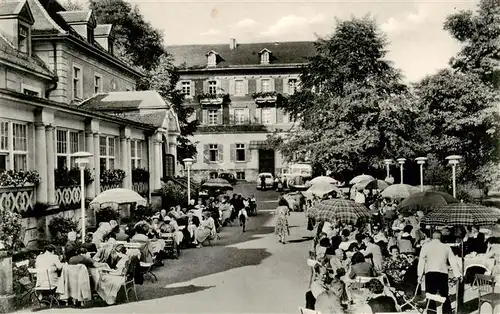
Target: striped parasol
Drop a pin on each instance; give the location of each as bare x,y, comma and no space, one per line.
462,214
339,210
425,201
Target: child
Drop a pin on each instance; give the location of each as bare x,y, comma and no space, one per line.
243,217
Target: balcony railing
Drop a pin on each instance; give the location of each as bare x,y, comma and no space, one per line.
228,128
105,187
141,187
68,195
17,199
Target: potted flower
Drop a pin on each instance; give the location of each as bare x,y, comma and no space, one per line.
19,178
112,176
212,99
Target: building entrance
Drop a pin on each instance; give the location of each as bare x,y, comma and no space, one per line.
266,161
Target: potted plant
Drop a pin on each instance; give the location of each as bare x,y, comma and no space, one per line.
112,176
19,178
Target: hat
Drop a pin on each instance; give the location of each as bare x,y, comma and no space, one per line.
156,216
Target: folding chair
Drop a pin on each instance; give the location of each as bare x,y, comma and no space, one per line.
170,245
147,268
439,302
486,288
129,282
27,282
49,290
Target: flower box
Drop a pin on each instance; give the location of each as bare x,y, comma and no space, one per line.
212,99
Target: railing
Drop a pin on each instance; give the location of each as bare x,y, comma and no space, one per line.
68,195
105,187
17,199
141,187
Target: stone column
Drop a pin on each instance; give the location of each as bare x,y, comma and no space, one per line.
123,160
41,162
51,165
172,149
128,161
97,164
89,147
157,166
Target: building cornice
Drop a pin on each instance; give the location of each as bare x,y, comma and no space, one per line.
90,48
54,105
235,68
25,69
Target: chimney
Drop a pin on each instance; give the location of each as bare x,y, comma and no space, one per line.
232,43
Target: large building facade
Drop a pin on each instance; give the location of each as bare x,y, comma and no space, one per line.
62,91
238,91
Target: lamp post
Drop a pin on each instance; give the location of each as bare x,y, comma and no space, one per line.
82,159
188,162
401,162
388,163
421,162
453,161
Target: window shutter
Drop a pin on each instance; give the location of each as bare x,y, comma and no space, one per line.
205,87
273,115
221,153
204,117
245,87
271,85
231,116
219,116
225,86
258,83
232,147
258,115
206,153
285,86
192,88
232,88
279,115
178,85
247,116
248,153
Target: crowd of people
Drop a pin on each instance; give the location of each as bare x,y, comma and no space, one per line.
395,250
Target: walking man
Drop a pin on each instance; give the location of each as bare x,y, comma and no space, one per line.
433,262
243,217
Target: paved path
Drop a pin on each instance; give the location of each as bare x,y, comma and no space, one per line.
244,273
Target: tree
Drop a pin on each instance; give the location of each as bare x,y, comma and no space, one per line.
479,33
354,109
135,39
70,5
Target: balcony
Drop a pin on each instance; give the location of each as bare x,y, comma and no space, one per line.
268,99
237,128
17,199
213,99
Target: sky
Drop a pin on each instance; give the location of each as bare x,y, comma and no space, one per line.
418,44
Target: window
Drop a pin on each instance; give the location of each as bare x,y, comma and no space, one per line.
107,153
212,59
213,116
77,83
24,39
240,152
13,146
240,175
239,116
266,85
213,153
266,116
238,88
292,86
67,143
97,84
212,87
30,92
264,57
136,154
186,88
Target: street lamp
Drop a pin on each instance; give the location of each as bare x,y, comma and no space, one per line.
81,159
187,163
388,163
453,161
421,162
401,162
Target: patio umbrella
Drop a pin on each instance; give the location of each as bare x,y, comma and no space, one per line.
372,185
425,201
462,214
321,179
399,191
338,210
217,183
361,178
320,189
119,196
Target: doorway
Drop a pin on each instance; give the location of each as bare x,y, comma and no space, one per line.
266,161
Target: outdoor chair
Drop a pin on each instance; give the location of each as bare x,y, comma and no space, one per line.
171,248
439,303
147,268
486,288
48,291
27,282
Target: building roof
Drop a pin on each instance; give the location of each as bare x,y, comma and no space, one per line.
10,54
282,53
76,16
155,118
125,101
102,30
11,8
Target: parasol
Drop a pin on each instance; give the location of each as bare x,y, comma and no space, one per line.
399,191
372,185
119,196
462,214
217,183
338,210
361,178
322,179
321,189
426,201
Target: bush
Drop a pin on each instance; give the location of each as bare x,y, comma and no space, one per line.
141,213
11,233
173,194
59,227
18,178
106,214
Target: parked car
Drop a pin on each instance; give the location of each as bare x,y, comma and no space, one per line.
269,181
229,177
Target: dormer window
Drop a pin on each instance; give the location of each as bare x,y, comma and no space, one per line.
212,59
265,56
24,39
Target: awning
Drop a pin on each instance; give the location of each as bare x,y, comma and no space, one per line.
259,145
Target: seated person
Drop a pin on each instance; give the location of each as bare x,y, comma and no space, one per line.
88,245
475,241
111,278
141,232
360,267
405,241
122,235
103,254
206,230
396,266
378,301
71,247
48,261
82,258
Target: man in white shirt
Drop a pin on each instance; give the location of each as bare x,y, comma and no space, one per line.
243,216
374,252
47,262
433,262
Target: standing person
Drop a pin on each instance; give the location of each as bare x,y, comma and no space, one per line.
433,262
263,183
281,229
243,216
